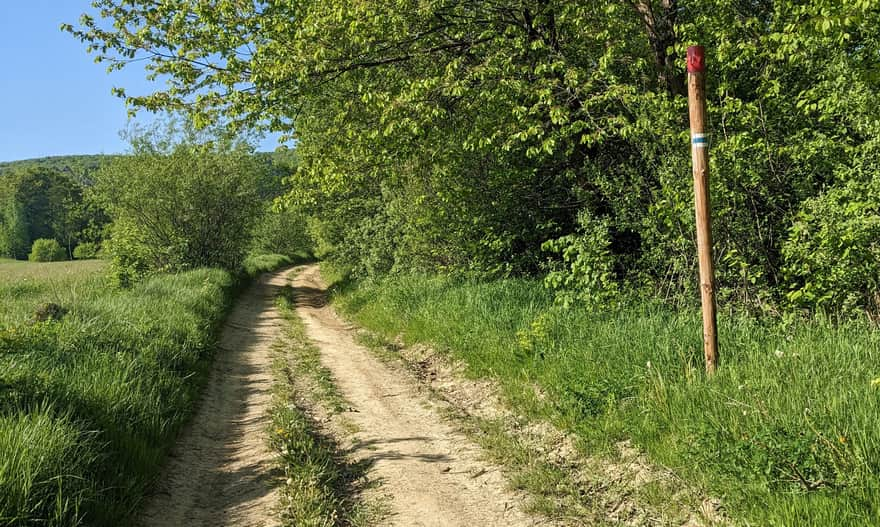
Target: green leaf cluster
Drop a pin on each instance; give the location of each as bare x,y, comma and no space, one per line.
41,202
464,136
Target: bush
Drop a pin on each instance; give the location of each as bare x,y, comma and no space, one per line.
180,208
281,232
585,274
86,251
47,250
832,256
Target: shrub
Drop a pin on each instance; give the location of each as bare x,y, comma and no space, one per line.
586,273
281,232
86,251
832,255
181,208
47,250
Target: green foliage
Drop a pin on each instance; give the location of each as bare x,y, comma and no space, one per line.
86,251
14,241
38,202
281,231
832,254
47,250
179,207
585,275
80,168
90,404
461,136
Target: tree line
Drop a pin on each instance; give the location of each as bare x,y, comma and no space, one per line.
547,136
38,202
176,201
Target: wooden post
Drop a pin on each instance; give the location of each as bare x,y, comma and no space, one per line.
696,67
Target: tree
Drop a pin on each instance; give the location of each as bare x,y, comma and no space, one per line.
179,208
13,229
281,232
464,136
38,202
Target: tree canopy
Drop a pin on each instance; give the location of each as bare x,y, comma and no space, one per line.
40,202
467,136
176,205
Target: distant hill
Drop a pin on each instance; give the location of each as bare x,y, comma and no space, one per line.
80,166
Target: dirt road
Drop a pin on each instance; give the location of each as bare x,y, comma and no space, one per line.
221,470
431,473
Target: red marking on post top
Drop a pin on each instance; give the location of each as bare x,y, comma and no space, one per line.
696,60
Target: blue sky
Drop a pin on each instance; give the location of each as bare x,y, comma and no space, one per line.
54,100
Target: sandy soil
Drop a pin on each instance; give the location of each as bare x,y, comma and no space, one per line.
430,473
221,472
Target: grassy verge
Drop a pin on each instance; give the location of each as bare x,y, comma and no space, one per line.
321,487
91,403
559,484
785,434
551,485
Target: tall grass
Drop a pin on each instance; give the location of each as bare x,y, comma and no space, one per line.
787,432
90,404
24,285
43,467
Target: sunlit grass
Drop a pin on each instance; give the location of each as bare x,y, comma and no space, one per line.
786,433
26,285
43,467
99,396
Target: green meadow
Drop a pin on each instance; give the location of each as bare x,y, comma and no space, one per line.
91,402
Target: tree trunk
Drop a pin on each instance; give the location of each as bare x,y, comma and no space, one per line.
659,23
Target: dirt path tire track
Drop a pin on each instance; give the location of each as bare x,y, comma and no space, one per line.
220,472
432,474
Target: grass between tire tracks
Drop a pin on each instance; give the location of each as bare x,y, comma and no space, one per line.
321,487
785,434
